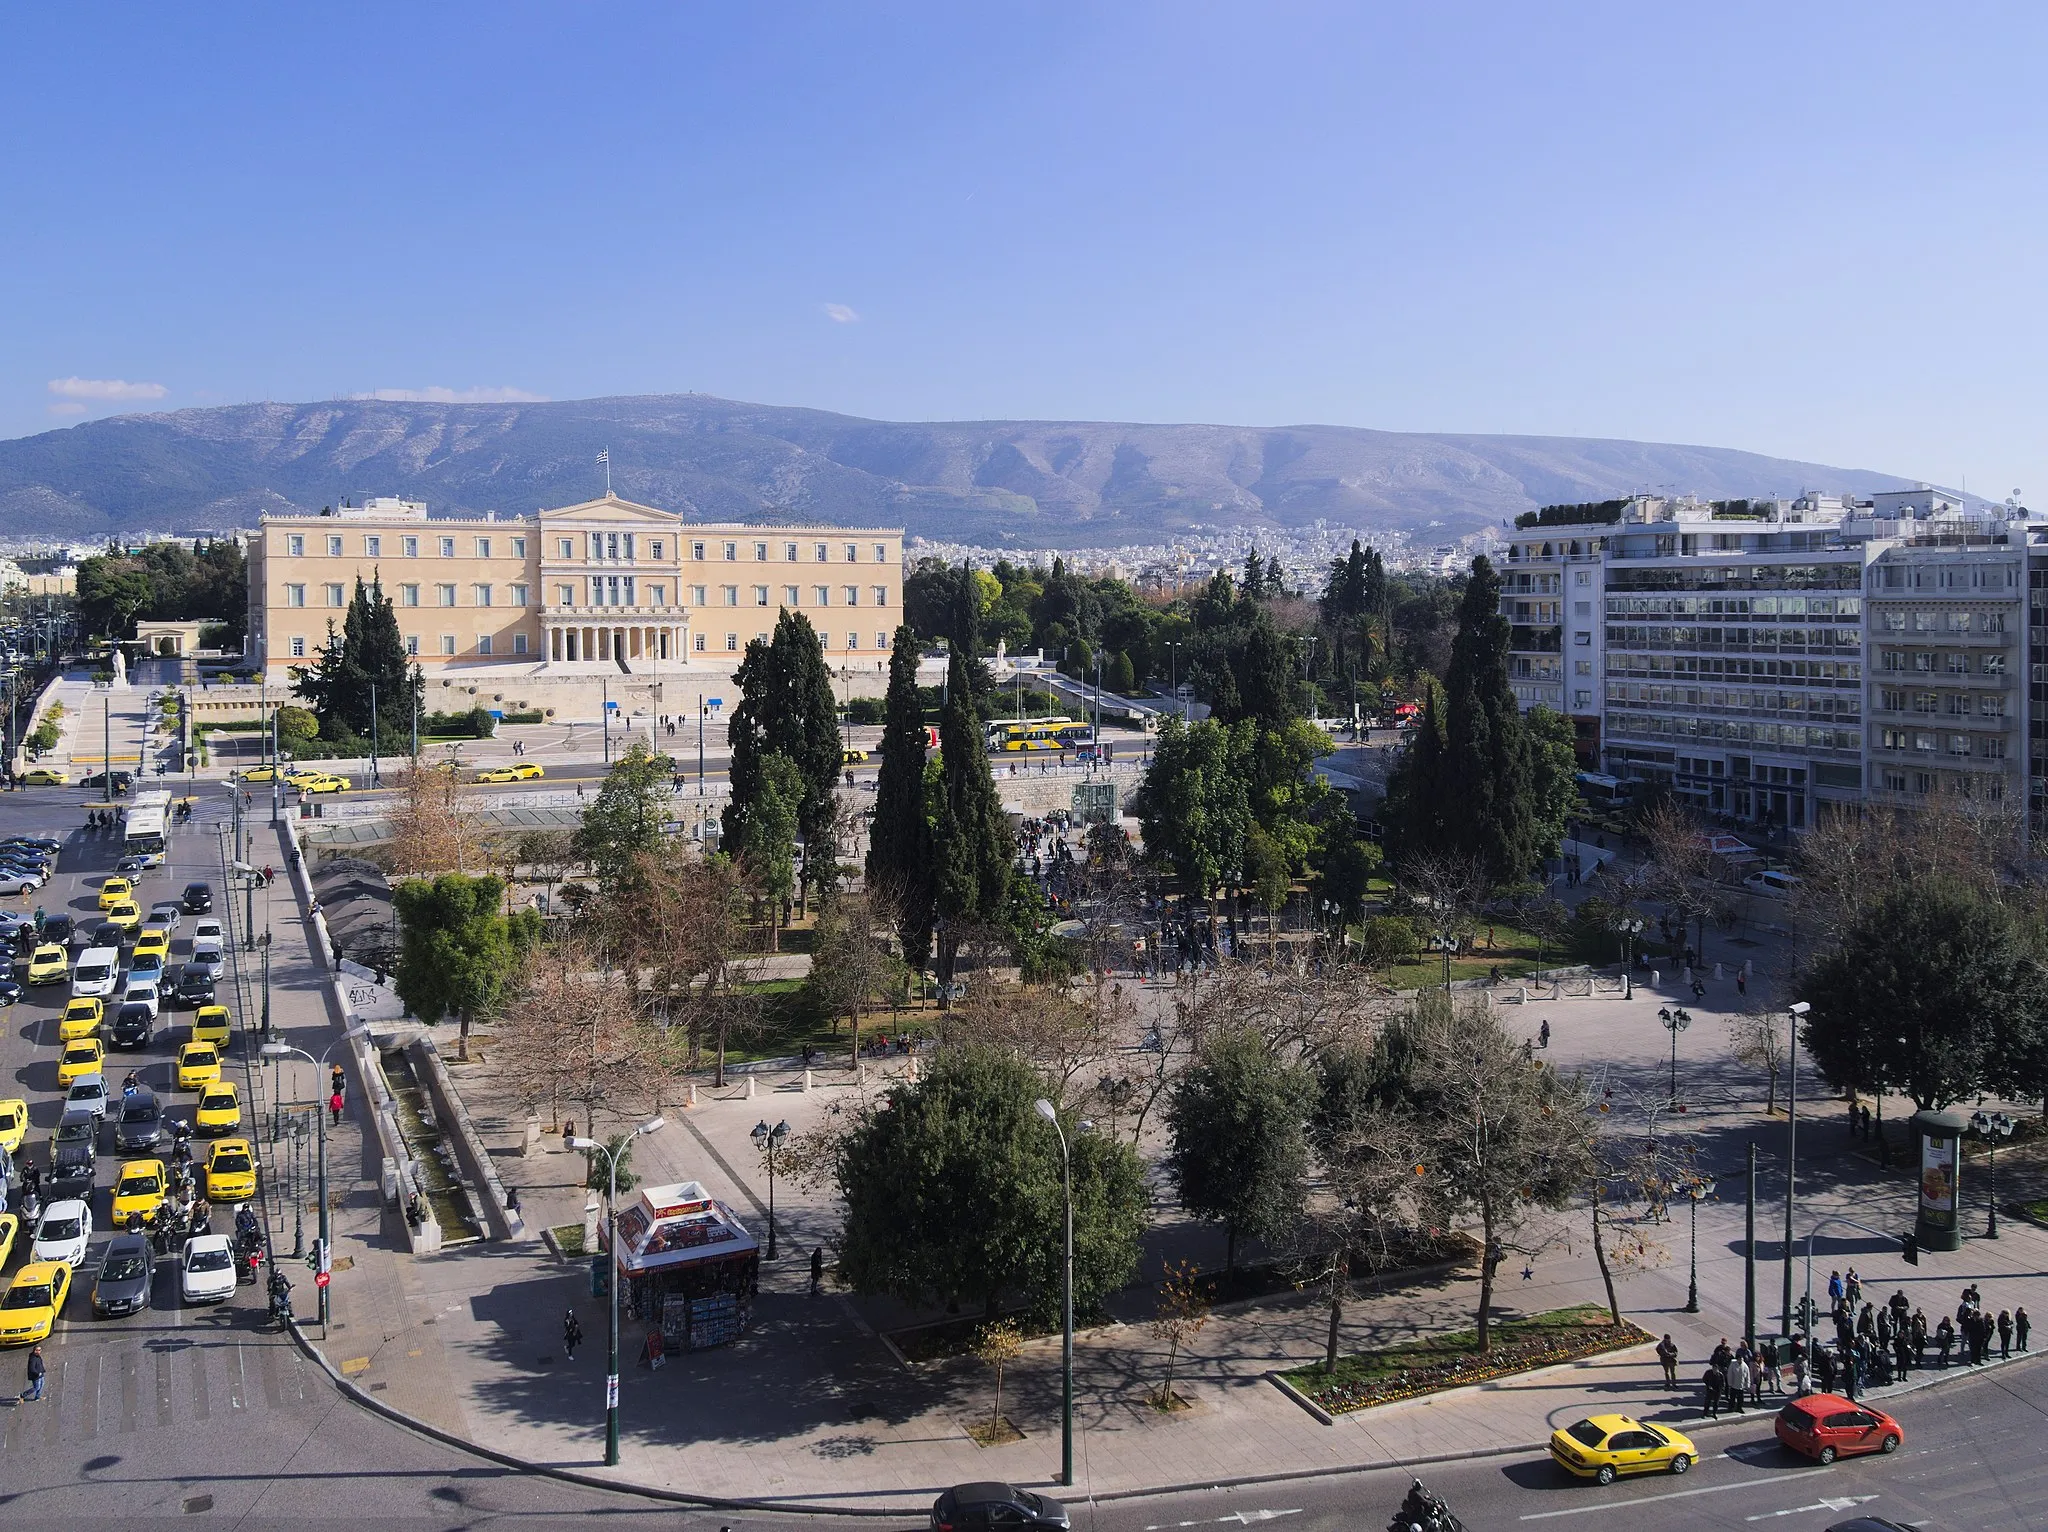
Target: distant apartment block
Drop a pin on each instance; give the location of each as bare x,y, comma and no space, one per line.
1766,658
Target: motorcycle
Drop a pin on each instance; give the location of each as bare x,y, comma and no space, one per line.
1422,1511
280,1298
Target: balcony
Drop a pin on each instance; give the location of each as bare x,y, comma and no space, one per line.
600,615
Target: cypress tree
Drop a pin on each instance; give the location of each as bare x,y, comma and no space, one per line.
900,847
786,707
971,844
369,651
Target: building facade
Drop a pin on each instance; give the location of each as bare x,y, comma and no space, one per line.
1766,658
604,586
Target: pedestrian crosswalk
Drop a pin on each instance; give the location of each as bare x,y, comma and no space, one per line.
170,1379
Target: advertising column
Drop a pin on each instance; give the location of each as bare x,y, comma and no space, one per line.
1939,1224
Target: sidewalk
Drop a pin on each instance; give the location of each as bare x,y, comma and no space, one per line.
813,1407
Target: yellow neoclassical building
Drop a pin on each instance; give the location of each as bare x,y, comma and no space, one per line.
582,590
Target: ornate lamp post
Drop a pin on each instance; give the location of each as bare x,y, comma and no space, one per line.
768,1140
1675,1019
611,1281
1991,1127
1697,1186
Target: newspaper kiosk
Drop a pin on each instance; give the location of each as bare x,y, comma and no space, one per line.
688,1264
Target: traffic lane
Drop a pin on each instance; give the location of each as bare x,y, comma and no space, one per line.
1971,1460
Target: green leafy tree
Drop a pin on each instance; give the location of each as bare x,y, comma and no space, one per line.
900,844
1194,807
1553,776
458,951
626,817
111,594
366,659
971,846
1122,676
766,848
952,1193
1934,992
1344,864
786,708
1238,1121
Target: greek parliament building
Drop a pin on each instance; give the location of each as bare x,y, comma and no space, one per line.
578,592
1765,658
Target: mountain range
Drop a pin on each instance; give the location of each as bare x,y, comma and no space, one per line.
1029,484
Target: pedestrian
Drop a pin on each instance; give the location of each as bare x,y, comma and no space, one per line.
1852,1286
334,1106
1773,1359
1945,1340
1742,984
817,1270
1713,1380
1919,1329
1902,1356
572,1333
36,1370
1835,1289
1824,1368
1667,1355
1737,1381
337,1082
1543,1034
2004,1335
2020,1325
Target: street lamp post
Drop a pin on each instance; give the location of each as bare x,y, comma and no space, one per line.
1795,1013
1630,927
1676,1020
277,1050
1696,1187
768,1140
611,1280
1046,1110
1991,1127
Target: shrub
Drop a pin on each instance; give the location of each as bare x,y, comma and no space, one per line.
297,723
864,710
531,716
1386,941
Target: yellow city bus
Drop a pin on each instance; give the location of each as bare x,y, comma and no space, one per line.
1037,734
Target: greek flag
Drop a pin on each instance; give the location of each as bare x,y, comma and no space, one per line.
604,457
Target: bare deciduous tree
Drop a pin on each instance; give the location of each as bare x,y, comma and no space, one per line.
1181,1315
1683,871
433,822
1757,1039
1447,890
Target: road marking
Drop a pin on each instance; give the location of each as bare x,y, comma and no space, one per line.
354,1365
1242,1518
1844,1503
1617,1505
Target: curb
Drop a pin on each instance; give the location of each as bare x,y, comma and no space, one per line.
917,1513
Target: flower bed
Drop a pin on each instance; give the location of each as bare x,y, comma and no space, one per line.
1438,1362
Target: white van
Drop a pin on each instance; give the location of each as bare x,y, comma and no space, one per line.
98,973
1773,884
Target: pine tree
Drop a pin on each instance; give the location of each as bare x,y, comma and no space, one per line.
366,658
971,845
1254,576
900,845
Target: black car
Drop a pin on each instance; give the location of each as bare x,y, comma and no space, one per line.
140,1124
991,1507
43,843
197,898
122,781
193,988
132,1026
58,929
73,1168
125,1276
109,934
10,991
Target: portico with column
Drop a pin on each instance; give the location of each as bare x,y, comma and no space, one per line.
651,637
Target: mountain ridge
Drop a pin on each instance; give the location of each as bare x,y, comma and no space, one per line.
995,482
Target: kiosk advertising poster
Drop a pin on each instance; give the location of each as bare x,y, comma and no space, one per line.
1938,1182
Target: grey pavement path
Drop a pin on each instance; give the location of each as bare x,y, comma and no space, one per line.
812,1406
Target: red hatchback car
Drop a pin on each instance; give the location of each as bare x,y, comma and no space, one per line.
1827,1426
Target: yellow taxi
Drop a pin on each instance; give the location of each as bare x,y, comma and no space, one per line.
125,913
1604,1447
154,939
43,776
230,1171
853,757
140,1190
522,771
219,1109
49,964
79,1059
10,1230
114,891
210,1026
82,1018
13,1124
198,1066
323,783
260,774
34,1300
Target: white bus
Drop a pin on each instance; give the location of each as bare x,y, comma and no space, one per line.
146,823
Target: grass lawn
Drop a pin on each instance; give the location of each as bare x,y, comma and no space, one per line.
787,1025
1512,951
1453,1360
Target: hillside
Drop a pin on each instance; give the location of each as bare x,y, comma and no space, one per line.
1034,483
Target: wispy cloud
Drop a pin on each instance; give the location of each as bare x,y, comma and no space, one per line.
454,396
839,313
68,407
105,390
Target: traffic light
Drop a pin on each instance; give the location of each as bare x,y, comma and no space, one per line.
1910,1248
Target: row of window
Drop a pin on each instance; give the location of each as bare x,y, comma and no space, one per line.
1735,606
1923,783
1743,698
1736,668
1929,662
1740,577
484,642
1795,639
1944,577
408,547
1942,620
331,594
1987,747
1955,704
599,547
605,591
1785,736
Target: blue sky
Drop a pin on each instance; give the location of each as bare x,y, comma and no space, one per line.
1811,230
